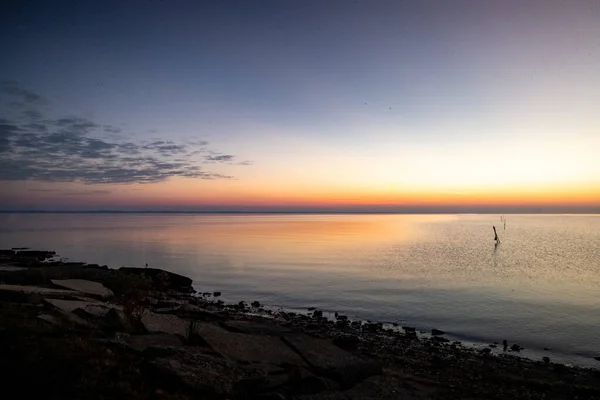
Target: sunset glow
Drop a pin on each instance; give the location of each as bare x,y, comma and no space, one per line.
361,107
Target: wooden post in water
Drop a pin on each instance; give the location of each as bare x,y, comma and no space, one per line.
496,238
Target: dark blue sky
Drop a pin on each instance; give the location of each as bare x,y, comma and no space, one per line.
338,99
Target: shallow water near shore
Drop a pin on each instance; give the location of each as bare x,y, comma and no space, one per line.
540,287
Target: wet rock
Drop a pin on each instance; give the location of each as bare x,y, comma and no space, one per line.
164,323
516,347
546,360
409,329
255,304
246,347
216,294
597,358
84,286
485,351
311,308
38,255
202,375
342,317
437,332
328,360
318,314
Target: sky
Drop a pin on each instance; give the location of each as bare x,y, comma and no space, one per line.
407,105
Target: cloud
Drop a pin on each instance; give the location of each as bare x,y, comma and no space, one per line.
219,158
20,94
75,149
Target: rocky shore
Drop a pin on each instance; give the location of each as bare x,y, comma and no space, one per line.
84,331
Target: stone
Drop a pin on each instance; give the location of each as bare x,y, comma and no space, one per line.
70,305
24,293
162,277
409,329
51,319
255,304
546,360
140,343
84,286
205,376
216,294
346,342
330,361
436,332
246,347
256,328
164,323
317,314
11,268
597,358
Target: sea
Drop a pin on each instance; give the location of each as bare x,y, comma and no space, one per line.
538,287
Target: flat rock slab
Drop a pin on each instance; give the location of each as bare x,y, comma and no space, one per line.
51,319
23,292
203,375
11,268
330,361
84,286
68,305
248,348
164,323
256,328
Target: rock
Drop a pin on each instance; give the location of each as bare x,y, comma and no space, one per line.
318,314
246,347
84,286
409,329
505,344
546,360
330,361
140,343
437,332
164,323
71,305
311,308
255,304
195,312
485,351
115,318
516,347
346,342
23,293
597,358
38,255
10,268
216,294
342,317
51,319
255,328
162,277
204,376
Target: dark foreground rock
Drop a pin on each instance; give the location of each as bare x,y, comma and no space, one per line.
151,342
168,280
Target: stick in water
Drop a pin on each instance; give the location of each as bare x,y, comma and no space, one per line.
496,238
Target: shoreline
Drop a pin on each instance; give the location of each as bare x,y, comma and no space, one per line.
158,307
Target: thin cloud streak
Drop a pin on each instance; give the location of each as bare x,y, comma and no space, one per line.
75,149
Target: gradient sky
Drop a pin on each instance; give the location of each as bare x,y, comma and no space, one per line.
300,105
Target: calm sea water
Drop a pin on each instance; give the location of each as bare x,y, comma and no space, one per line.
540,287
